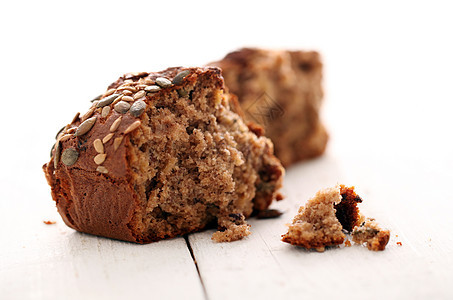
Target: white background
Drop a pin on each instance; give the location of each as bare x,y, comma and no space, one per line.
388,106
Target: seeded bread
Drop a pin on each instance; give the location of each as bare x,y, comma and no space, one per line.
281,91
160,155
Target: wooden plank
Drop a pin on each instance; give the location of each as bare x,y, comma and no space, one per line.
263,267
55,262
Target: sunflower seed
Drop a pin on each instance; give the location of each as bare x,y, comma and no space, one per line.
122,107
59,131
149,81
96,98
76,117
89,113
65,137
163,82
118,99
141,86
126,93
98,146
56,158
105,111
152,89
116,124
127,87
132,127
100,158
127,98
117,142
69,156
137,108
109,92
107,138
102,169
180,77
107,100
139,94
71,130
85,126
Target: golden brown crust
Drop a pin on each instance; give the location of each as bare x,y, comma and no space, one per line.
281,91
120,170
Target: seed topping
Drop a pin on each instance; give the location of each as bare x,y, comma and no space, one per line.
107,138
137,108
96,98
56,158
69,156
85,126
152,89
139,94
107,100
132,127
100,158
122,107
89,113
180,77
116,124
76,117
163,82
128,99
105,111
117,142
102,169
109,92
98,146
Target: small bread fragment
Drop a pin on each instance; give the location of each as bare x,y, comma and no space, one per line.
316,225
328,216
372,234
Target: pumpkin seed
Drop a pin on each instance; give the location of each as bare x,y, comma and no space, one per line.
85,126
122,107
180,77
69,156
107,100
96,98
137,108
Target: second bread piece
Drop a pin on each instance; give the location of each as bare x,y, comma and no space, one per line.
281,91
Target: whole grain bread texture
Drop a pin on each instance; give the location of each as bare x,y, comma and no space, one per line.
160,155
282,92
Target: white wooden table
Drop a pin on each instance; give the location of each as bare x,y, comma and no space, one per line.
389,105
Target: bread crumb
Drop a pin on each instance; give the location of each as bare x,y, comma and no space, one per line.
47,222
